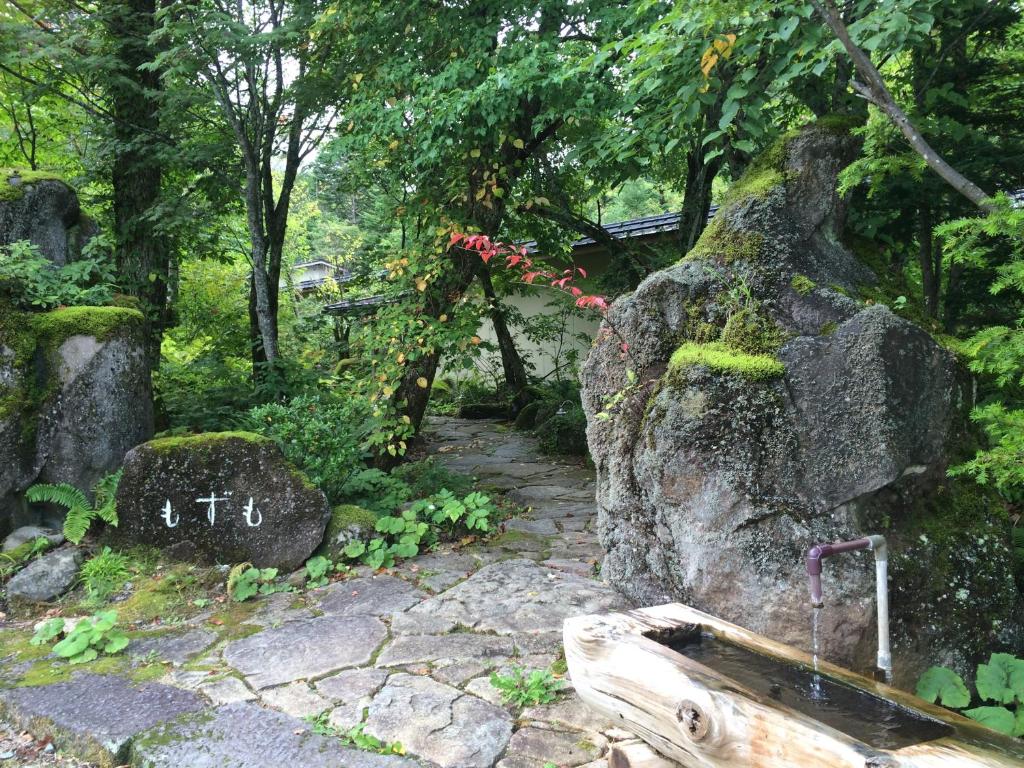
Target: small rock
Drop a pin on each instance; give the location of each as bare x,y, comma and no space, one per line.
31,533
295,699
47,578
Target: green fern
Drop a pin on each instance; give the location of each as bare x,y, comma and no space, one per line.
80,513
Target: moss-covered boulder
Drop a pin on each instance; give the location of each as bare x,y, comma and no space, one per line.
762,409
75,395
41,208
220,497
348,523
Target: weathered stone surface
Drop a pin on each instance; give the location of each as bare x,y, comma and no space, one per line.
295,699
27,533
518,596
244,735
712,485
372,596
307,648
74,400
45,578
559,747
439,723
176,648
568,711
226,497
442,650
46,213
542,527
352,686
95,716
225,690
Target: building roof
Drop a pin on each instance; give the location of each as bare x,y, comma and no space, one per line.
645,226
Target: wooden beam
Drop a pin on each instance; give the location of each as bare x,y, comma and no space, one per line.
703,719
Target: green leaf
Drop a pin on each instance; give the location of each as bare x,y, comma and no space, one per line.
994,679
87,655
945,686
997,718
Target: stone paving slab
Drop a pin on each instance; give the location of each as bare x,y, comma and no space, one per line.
372,596
519,596
176,648
247,736
95,716
305,649
439,723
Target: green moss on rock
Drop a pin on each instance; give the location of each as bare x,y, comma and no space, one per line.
720,242
348,522
802,284
204,440
719,357
10,192
746,331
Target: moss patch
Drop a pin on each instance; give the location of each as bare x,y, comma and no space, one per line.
9,192
802,284
747,331
345,517
719,357
720,242
204,440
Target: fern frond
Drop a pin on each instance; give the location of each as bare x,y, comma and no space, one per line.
106,489
62,493
77,523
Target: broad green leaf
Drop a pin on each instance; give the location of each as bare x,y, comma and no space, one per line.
945,686
997,718
994,678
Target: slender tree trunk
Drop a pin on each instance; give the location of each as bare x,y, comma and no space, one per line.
141,252
929,277
511,362
262,314
875,90
697,196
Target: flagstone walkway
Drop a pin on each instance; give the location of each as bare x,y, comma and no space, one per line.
407,654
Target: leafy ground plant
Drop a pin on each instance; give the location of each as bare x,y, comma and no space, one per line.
245,581
319,570
86,640
353,737
1000,682
527,688
104,574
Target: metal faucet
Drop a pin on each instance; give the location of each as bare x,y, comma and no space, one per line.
876,544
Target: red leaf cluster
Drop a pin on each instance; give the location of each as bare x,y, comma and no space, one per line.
517,258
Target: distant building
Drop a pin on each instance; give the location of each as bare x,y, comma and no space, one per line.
308,276
577,329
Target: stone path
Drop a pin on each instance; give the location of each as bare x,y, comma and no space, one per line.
407,655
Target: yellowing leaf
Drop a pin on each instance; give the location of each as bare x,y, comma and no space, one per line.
476,340
421,285
393,144
357,77
518,143
443,318
388,391
422,382
474,153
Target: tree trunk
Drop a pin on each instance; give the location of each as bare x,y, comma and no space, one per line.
930,279
141,253
697,196
511,361
262,312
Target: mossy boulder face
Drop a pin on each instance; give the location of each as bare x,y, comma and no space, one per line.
75,396
220,497
41,208
348,523
760,409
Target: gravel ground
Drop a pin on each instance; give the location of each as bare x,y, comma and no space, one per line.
19,748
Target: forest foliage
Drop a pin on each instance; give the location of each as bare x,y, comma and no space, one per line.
218,145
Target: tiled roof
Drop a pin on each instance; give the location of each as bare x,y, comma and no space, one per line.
645,226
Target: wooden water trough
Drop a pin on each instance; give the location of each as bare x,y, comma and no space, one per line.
709,694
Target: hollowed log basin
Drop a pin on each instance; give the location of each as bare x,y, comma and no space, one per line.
707,693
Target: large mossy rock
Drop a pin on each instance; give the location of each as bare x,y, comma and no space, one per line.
761,409
44,210
220,497
75,396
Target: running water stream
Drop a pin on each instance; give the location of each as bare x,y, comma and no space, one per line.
817,692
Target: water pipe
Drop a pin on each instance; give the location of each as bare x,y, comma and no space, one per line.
877,545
